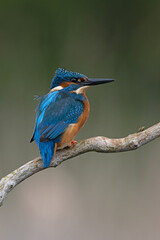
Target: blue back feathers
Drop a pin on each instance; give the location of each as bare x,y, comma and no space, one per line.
55,112
62,75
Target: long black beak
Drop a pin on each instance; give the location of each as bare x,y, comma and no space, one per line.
96,81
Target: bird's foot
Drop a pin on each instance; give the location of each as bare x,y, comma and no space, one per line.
72,143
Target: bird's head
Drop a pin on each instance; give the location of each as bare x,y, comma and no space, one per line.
64,78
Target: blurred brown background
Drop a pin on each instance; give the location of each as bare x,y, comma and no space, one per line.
93,196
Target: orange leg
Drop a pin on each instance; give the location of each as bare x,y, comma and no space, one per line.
72,143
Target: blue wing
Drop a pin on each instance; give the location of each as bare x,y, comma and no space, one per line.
58,115
56,111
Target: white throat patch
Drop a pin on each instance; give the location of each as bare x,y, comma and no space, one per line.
82,90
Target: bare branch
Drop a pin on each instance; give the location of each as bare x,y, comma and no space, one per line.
98,144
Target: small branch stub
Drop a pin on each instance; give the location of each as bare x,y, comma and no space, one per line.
97,144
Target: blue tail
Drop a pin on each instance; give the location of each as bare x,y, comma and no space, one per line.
47,151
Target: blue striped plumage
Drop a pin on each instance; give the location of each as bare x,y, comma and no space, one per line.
62,75
55,112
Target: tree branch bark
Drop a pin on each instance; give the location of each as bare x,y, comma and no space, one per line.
97,144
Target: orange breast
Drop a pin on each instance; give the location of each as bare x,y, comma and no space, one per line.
73,129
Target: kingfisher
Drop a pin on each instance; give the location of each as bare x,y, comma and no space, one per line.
62,112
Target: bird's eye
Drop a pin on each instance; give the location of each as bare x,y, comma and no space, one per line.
79,80
74,80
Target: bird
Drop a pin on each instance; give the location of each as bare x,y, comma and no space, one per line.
62,112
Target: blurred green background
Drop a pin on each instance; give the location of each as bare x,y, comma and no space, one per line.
93,196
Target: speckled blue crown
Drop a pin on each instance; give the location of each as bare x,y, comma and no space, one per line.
62,75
